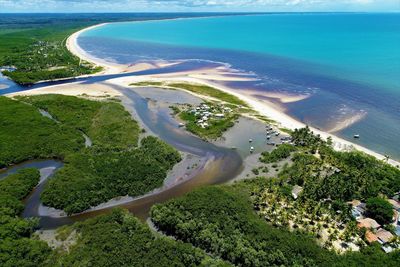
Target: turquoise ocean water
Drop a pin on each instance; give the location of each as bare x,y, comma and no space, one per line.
360,47
348,63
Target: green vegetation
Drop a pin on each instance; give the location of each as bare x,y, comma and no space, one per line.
112,167
262,118
209,91
40,54
149,83
230,229
94,177
25,134
16,247
276,204
327,179
380,209
215,127
198,89
107,123
338,175
282,152
119,239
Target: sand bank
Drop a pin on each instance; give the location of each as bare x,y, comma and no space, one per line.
209,77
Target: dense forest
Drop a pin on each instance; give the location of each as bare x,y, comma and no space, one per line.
96,177
40,54
17,248
221,220
337,175
116,239
119,239
25,134
113,166
107,123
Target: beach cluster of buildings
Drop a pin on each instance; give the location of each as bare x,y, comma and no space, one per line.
204,113
374,231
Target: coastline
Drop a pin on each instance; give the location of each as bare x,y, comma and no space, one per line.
262,107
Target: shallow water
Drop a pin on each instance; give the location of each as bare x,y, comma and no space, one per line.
347,65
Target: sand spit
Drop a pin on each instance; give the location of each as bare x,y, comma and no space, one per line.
206,77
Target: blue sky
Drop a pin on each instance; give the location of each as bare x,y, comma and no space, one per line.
197,5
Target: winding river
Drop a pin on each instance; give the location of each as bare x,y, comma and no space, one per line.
221,164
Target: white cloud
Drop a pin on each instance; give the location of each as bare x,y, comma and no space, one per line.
197,5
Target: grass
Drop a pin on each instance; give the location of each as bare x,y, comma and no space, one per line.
209,91
198,89
157,84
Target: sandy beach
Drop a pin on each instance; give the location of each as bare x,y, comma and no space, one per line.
206,77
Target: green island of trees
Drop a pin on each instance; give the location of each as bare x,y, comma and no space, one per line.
215,127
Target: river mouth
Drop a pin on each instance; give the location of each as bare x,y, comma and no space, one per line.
216,165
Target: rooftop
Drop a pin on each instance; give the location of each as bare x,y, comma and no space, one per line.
371,237
384,236
395,204
368,223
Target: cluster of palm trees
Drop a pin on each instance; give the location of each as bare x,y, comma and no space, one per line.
312,217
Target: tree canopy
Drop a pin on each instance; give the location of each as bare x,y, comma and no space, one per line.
379,209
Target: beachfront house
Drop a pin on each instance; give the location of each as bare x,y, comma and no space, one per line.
368,223
384,236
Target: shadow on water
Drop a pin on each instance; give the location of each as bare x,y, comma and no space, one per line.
221,165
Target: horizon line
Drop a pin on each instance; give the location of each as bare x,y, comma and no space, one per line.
204,12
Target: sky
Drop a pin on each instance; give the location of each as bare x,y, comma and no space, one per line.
88,6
